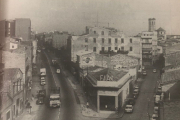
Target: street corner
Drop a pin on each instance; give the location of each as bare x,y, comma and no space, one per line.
89,112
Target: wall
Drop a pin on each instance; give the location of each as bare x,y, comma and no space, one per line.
60,40
23,28
14,60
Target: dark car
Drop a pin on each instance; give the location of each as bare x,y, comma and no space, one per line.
136,93
130,101
40,100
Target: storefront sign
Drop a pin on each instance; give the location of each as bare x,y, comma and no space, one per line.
106,78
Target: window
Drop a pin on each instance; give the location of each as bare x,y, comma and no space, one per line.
8,115
102,33
94,32
109,48
116,40
86,40
102,40
109,40
17,102
9,25
94,40
12,46
116,48
94,49
130,40
86,47
122,40
102,48
14,110
122,48
131,49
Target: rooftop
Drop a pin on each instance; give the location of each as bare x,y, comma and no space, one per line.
113,75
172,110
160,29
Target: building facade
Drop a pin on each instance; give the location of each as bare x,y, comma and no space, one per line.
12,94
102,40
19,55
108,88
23,28
149,47
59,40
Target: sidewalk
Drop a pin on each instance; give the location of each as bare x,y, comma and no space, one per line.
81,99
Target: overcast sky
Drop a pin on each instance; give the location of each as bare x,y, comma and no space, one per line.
130,16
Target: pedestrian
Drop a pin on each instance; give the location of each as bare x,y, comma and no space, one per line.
106,106
87,104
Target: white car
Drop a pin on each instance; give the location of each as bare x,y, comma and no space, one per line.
58,71
43,82
143,67
129,108
144,73
154,117
154,71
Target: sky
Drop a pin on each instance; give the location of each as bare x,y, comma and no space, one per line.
129,16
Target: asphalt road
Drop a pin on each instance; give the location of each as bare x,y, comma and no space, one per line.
70,109
145,101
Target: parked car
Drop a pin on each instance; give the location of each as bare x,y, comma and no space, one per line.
40,100
129,108
154,71
58,71
156,109
130,101
157,99
154,117
136,93
144,73
136,87
143,67
43,81
159,89
39,50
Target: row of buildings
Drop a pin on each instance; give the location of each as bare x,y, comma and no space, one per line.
106,61
18,53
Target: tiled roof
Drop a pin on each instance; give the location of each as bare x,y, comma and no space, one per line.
160,29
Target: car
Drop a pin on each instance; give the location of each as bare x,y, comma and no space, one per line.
43,81
130,101
156,109
39,50
136,93
159,89
154,116
129,109
143,67
157,99
154,71
136,87
58,71
40,100
144,73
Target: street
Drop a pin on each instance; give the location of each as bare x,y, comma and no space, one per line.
145,102
69,109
